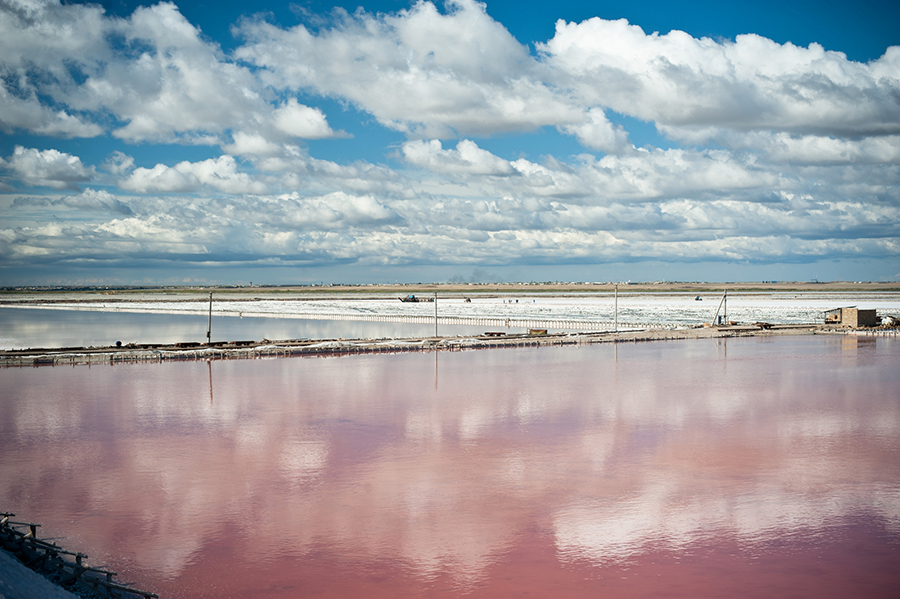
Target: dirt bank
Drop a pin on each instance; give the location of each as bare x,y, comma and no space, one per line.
13,296
336,347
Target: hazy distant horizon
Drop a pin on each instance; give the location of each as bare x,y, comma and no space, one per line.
488,283
411,276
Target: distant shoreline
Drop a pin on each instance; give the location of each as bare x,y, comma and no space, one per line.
585,330
461,289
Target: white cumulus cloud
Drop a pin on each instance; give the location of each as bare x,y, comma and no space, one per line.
467,158
693,87
782,153
298,120
418,71
48,168
66,67
598,133
220,174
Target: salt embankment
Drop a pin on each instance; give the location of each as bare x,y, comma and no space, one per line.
337,347
18,582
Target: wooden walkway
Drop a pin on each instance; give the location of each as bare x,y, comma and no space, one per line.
64,568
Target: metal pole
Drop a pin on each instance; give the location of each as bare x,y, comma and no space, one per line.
725,311
435,314
617,308
719,307
209,323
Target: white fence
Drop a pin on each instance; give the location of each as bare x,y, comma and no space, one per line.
580,325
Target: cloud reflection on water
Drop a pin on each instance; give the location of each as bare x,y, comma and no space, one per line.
612,454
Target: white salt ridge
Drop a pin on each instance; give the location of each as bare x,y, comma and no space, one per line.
633,309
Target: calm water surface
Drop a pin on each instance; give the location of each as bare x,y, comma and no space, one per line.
34,327
746,468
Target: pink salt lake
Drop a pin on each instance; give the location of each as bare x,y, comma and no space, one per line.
738,468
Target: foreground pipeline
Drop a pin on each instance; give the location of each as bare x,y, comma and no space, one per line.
332,347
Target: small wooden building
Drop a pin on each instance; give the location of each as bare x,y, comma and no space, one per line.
851,317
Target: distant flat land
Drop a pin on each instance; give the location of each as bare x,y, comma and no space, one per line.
456,289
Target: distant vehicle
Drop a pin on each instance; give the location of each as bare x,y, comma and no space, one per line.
414,300
698,299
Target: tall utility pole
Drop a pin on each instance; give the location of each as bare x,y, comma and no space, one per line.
209,323
616,309
435,314
725,301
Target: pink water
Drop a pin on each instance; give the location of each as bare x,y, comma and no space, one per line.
752,468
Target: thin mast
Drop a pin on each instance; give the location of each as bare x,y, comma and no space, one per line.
616,309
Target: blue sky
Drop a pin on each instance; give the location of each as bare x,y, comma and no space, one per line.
224,142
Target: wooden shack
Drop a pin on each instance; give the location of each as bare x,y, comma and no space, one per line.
851,317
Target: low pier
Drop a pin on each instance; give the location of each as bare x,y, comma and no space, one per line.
66,569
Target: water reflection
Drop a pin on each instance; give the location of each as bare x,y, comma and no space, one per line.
209,366
33,327
547,470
